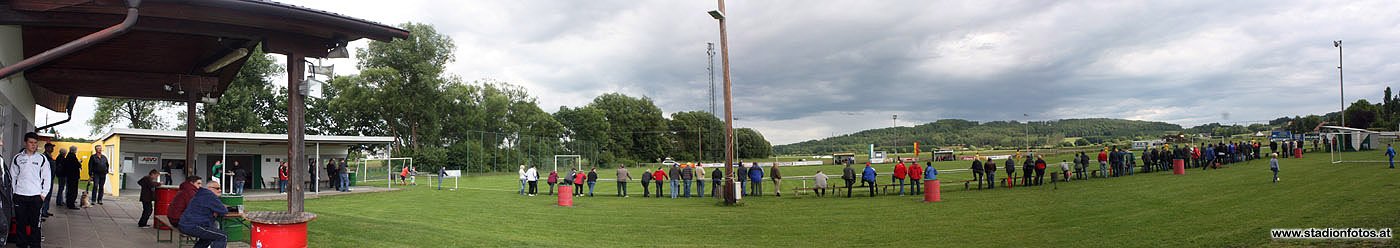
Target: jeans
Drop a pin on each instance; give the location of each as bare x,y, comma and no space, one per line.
47,199
62,185
1392,162
146,208
345,182
659,184
99,185
699,188
238,187
743,187
1103,170
522,186
991,180
675,187
1275,175
715,187
915,186
621,188
757,187
646,189
208,236
590,187
872,187
687,188
901,185
849,182
281,186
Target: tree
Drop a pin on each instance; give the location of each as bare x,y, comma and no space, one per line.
251,104
405,80
694,131
139,114
638,130
748,143
1361,114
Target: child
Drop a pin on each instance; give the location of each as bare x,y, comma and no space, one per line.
1273,165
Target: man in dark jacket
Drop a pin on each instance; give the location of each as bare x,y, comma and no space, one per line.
148,197
989,172
1010,171
97,170
977,171
675,176
646,183
1027,171
849,175
71,169
200,217
592,180
742,176
716,180
687,175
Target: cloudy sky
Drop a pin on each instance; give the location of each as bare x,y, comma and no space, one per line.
811,69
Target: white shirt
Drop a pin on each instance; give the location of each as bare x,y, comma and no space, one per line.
531,176
31,174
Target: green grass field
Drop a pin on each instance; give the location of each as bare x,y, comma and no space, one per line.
1231,207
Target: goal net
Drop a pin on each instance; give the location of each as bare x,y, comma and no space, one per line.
569,161
1357,146
386,169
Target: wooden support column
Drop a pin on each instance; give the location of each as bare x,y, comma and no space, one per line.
296,128
191,115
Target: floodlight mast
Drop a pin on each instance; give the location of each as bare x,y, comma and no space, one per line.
729,197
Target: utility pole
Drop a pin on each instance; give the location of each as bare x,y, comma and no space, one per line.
896,121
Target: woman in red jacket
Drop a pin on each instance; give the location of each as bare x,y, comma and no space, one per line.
899,173
578,183
916,176
1039,169
553,179
658,177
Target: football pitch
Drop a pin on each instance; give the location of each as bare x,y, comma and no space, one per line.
1234,206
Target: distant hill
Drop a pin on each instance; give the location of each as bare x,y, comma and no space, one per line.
1007,134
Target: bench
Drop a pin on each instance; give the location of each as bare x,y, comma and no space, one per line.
885,188
162,220
831,188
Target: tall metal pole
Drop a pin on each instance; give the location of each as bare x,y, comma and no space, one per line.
729,197
296,126
1341,86
711,68
190,116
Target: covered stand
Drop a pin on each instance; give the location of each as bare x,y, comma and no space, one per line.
181,51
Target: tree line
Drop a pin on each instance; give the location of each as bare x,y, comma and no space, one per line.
402,90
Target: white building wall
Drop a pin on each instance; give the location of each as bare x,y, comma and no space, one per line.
271,154
16,103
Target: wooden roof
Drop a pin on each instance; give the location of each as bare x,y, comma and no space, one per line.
171,43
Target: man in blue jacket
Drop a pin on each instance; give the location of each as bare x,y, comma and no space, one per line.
201,216
756,179
869,177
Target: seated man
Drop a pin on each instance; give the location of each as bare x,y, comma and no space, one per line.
200,218
191,185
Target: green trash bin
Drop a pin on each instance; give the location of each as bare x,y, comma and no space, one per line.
234,227
352,179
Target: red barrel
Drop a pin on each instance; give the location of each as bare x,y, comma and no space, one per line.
278,229
566,196
1179,167
274,235
1297,152
931,191
164,195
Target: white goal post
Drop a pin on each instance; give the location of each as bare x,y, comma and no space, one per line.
389,167
1357,146
578,161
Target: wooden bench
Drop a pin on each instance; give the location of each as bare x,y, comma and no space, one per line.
798,191
162,220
